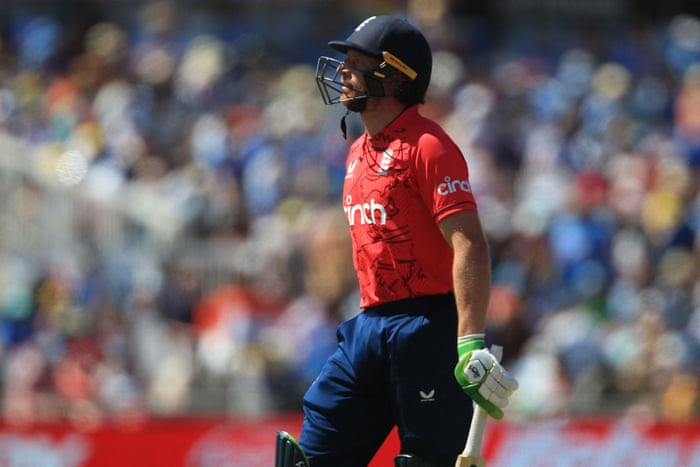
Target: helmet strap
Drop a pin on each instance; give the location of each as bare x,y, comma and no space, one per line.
344,125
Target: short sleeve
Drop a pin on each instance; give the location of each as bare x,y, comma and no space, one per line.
442,176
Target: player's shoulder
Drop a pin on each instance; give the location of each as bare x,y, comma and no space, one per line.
431,137
357,143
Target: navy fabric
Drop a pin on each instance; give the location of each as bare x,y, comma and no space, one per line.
391,367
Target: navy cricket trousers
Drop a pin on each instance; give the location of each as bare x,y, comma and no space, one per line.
394,365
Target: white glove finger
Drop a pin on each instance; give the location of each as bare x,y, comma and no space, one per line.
484,357
504,378
495,387
492,397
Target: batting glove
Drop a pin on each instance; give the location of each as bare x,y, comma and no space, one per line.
482,377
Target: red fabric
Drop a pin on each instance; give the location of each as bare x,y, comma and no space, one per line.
398,184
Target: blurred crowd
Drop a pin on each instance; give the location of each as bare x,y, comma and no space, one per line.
172,240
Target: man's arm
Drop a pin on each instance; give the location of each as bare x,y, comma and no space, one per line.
471,269
478,372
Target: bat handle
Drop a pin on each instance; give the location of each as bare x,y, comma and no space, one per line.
476,432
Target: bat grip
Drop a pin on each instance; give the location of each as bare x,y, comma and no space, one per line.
476,432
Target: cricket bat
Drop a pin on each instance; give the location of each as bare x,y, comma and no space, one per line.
471,456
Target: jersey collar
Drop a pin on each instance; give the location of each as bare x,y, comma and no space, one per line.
387,134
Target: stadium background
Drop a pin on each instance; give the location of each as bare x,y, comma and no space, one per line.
172,251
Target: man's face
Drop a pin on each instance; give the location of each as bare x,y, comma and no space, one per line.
351,72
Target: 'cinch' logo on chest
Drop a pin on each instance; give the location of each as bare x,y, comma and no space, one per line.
364,213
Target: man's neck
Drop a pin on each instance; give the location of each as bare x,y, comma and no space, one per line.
380,113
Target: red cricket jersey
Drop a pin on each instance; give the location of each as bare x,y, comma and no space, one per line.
398,185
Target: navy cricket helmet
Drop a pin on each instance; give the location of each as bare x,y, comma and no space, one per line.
396,43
